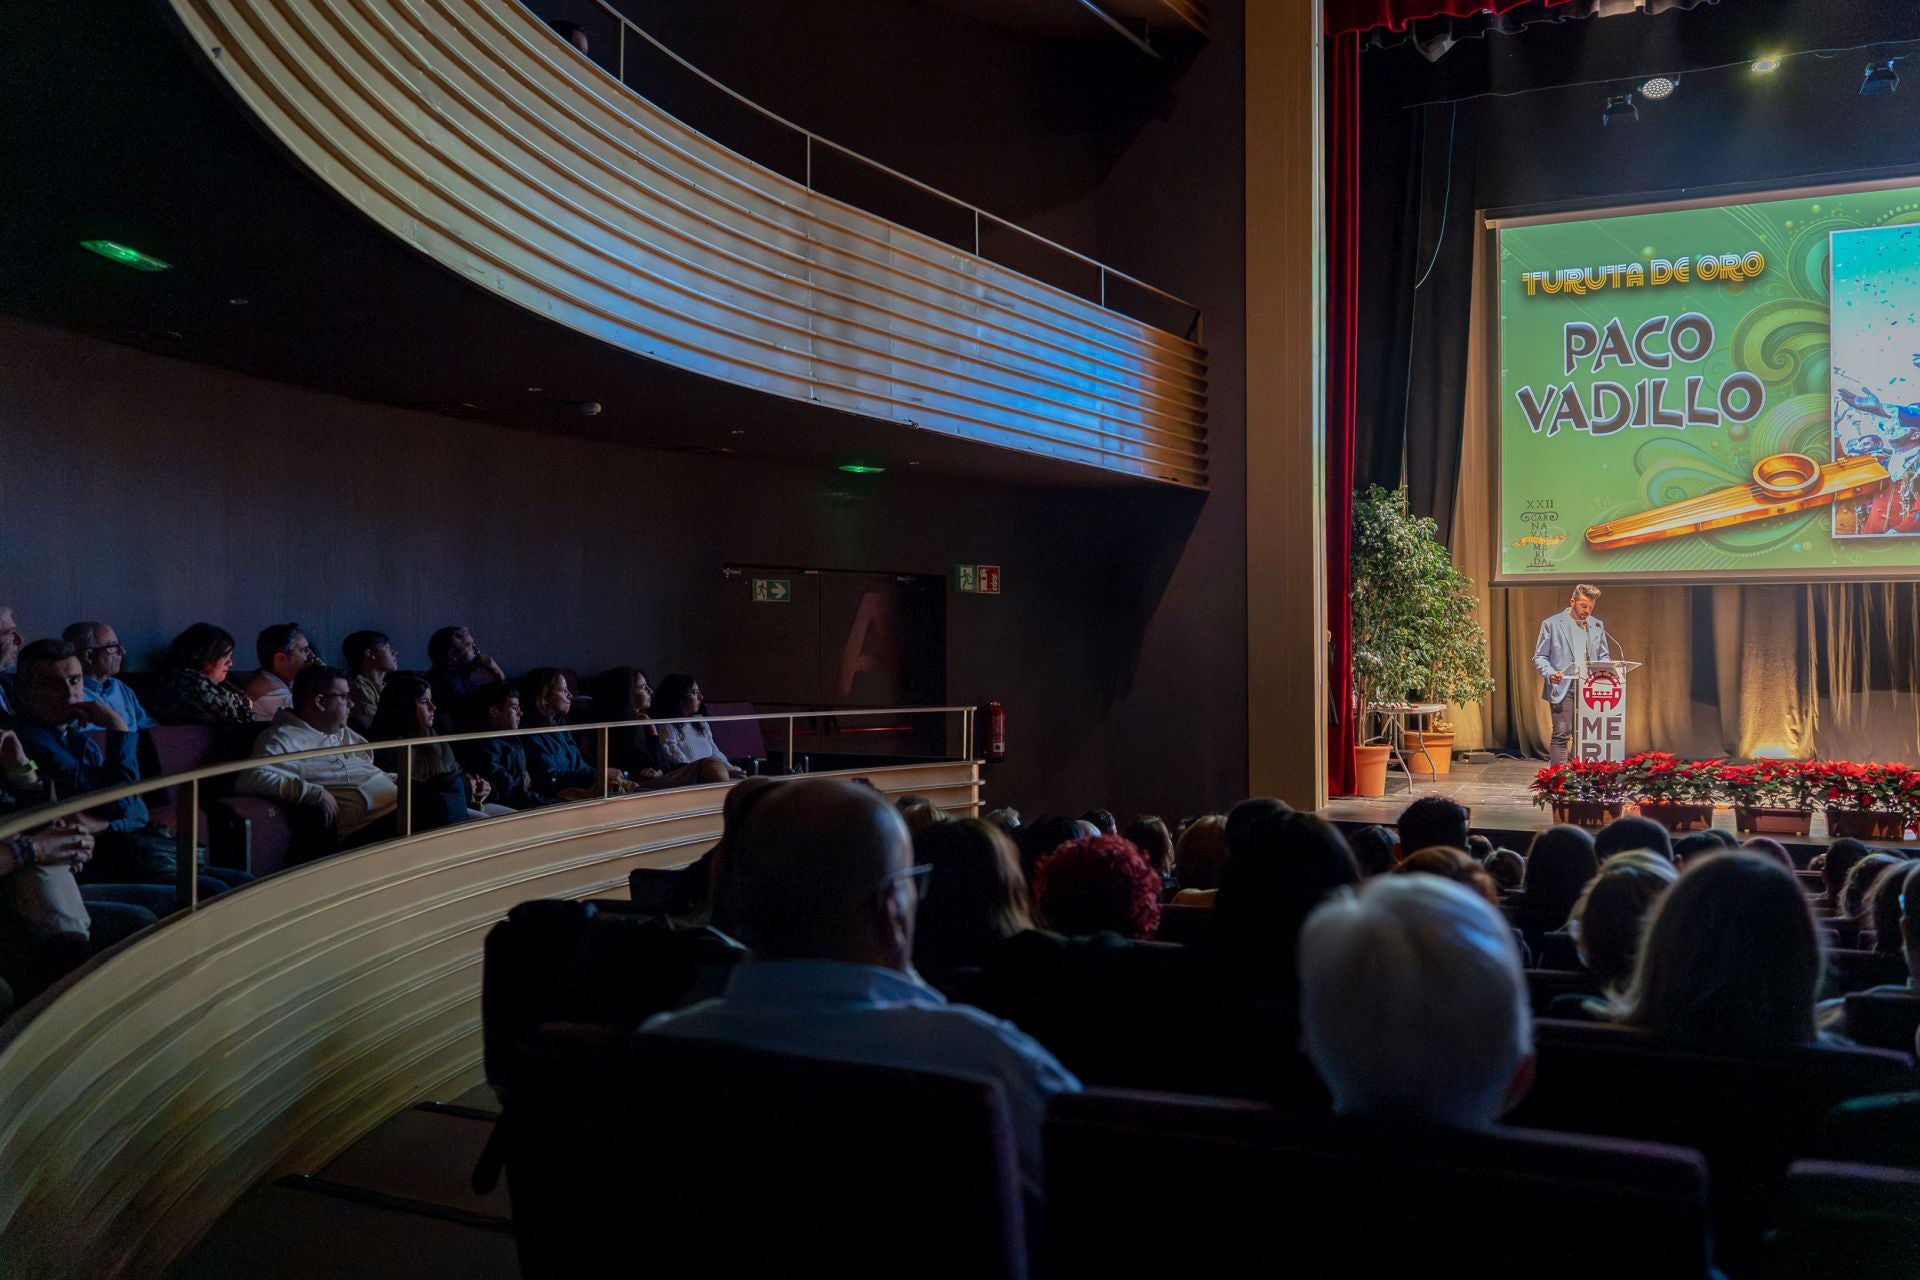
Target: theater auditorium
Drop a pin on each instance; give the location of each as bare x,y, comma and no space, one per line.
978,638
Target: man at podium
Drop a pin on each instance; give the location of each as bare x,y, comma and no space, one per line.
1569,640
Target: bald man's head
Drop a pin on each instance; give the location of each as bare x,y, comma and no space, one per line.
813,874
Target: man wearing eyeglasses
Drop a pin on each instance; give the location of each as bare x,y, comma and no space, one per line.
101,656
11,642
338,796
820,882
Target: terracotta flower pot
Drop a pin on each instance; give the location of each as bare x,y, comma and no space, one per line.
1438,745
1370,770
1677,816
1866,824
1756,820
1588,813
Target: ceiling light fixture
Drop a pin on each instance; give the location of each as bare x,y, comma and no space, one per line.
1658,87
1766,65
125,255
1881,77
1619,107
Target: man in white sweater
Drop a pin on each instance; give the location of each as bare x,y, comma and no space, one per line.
347,790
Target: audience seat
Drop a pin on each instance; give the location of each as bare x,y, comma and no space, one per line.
1813,882
678,1157
1877,1130
1544,986
1186,925
1849,970
1151,1185
1145,1015
592,964
1883,1019
1847,1222
249,832
1750,1116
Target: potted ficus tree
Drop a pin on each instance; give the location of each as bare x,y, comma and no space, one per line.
1414,631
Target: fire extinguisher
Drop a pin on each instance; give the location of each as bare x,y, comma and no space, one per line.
996,732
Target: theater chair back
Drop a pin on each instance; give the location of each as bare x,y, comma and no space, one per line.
1847,1222
677,1157
738,739
1750,1116
1878,1130
1855,970
1155,1185
589,965
1883,1019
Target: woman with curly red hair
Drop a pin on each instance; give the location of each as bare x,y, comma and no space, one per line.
1097,884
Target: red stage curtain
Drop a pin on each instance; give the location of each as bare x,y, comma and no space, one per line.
1343,16
1343,317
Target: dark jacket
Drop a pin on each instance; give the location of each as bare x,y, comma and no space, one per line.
556,762
503,763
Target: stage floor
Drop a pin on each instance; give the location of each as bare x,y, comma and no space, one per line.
1502,807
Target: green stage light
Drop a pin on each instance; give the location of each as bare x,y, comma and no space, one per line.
113,251
861,469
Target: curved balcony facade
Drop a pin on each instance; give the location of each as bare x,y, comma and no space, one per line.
472,132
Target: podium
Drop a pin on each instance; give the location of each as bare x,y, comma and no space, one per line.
1600,712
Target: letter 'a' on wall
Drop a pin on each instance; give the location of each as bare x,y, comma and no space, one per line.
1711,390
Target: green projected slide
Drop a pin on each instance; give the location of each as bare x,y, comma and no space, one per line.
1715,393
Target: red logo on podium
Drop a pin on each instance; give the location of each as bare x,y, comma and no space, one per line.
1602,691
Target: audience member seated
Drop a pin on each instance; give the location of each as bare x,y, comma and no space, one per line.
1905,892
1698,844
820,884
1834,866
101,657
11,642
1507,868
1104,823
1771,848
1006,818
340,799
441,794
1454,865
1376,849
1041,837
1150,836
918,813
683,744
1853,895
1560,861
55,716
502,762
1200,852
1883,907
1413,1006
624,693
1097,884
1730,962
1282,867
283,651
558,766
982,899
370,658
194,689
1249,813
1623,835
1609,921
1479,848
457,669
1430,821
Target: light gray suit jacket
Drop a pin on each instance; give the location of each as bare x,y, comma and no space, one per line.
1559,647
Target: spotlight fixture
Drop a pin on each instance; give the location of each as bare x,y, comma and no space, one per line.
126,255
861,468
1619,107
1659,87
1881,77
1766,65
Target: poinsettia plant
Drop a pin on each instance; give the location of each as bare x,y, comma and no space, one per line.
1578,780
1665,778
1769,784
1886,788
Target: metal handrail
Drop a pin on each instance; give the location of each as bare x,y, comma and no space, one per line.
627,24
41,815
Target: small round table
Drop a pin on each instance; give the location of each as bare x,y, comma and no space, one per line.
1395,714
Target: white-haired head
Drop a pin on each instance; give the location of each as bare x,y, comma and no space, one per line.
1413,1003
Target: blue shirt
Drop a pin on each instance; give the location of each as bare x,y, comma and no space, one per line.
858,1013
76,762
119,695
